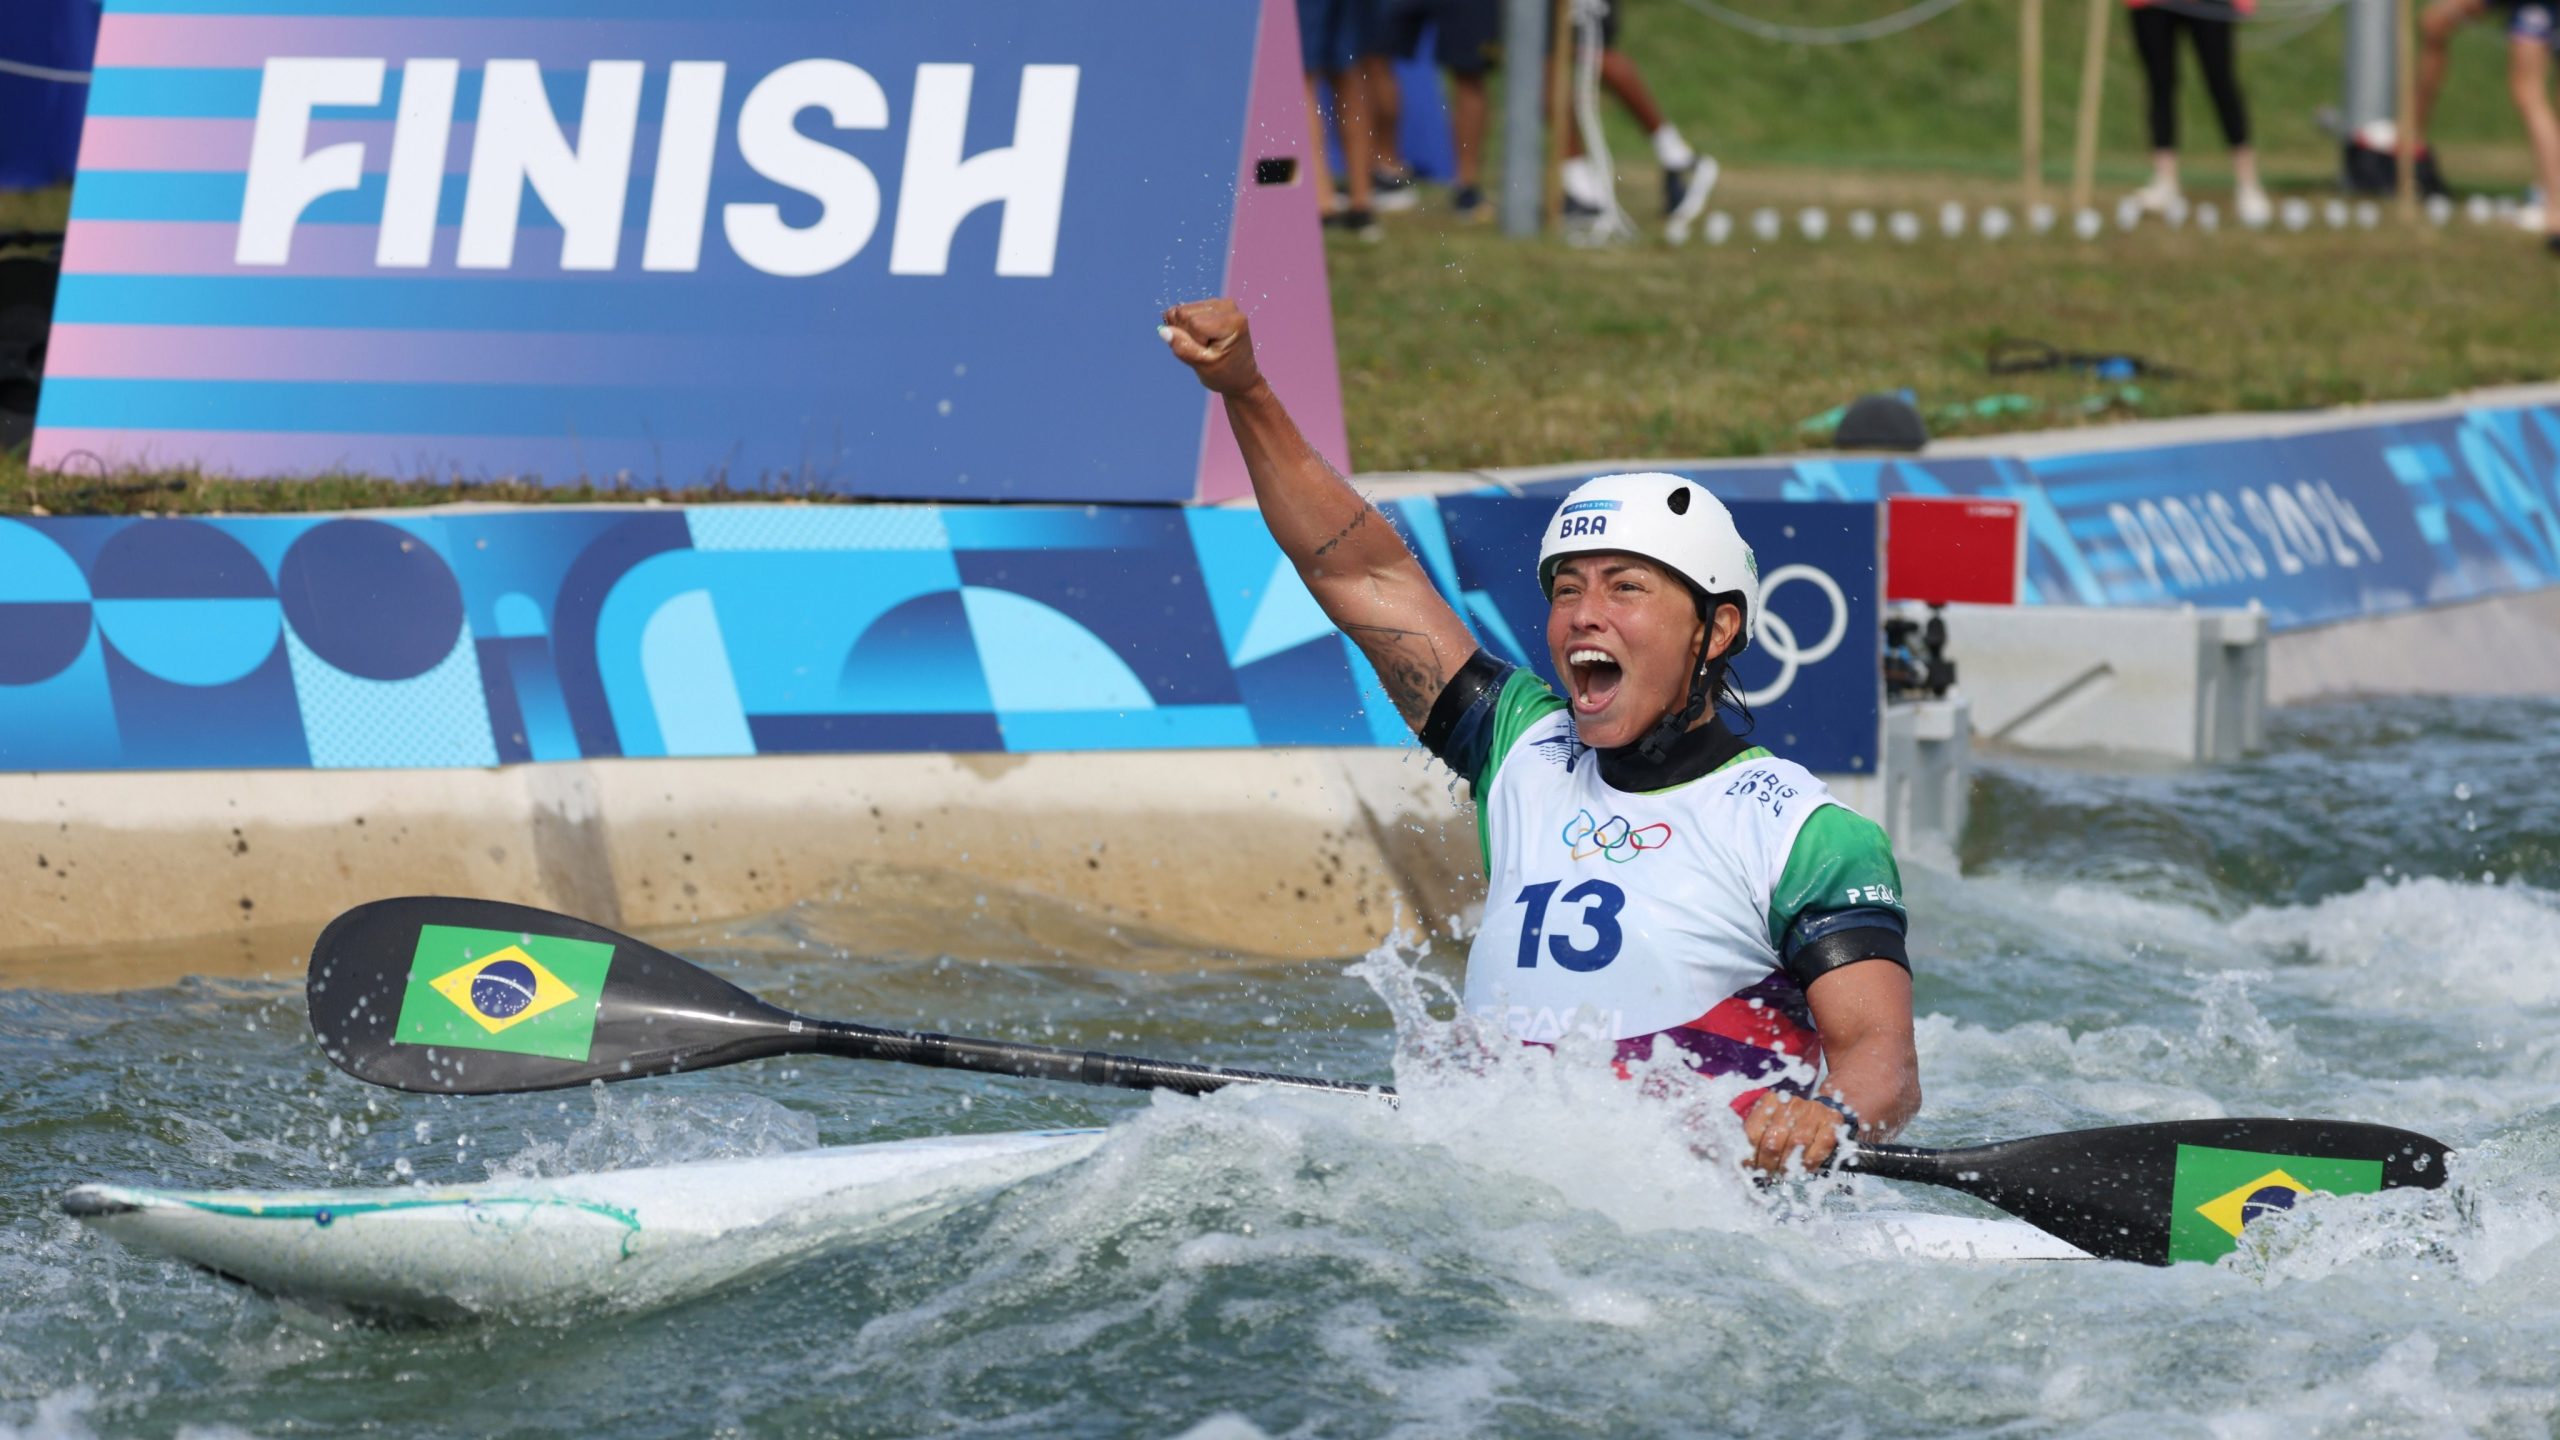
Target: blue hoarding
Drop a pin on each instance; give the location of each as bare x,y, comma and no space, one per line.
501,637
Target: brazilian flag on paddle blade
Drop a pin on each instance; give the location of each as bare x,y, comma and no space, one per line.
2218,1192
503,990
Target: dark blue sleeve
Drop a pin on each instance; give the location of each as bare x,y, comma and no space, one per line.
1460,728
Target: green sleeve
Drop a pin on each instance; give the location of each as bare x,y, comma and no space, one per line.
1525,700
1841,861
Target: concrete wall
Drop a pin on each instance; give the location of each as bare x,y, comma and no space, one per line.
1278,853
2182,684
2505,646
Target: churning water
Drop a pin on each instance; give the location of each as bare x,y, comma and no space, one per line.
2364,923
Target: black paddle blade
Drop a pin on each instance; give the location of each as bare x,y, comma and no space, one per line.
2179,1190
474,997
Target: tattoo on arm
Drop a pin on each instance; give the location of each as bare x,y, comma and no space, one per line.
1345,532
1408,664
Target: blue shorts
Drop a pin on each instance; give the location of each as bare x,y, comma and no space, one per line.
1334,35
2536,22
1466,34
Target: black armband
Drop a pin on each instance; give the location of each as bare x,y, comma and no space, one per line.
1459,719
1820,943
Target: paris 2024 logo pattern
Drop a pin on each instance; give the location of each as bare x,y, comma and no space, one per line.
471,639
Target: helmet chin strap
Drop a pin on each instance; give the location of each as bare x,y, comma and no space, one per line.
1657,743
1655,747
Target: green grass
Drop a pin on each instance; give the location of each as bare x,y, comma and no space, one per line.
1944,97
1462,349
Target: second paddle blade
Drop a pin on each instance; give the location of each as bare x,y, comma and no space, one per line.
474,997
2176,1190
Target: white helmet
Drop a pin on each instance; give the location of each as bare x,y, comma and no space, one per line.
1665,519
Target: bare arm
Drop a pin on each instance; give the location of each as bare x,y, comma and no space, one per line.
1871,1064
1351,559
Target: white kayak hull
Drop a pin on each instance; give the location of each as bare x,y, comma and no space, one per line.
544,1248
627,1239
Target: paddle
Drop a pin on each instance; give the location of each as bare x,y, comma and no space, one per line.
474,997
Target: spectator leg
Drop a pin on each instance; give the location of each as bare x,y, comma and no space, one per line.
1618,72
1469,114
2216,53
1386,113
2155,39
1351,119
2528,80
1319,169
2436,25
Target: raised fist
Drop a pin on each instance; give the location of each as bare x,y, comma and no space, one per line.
1212,337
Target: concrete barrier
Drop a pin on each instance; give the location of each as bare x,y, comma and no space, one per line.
2186,684
1287,853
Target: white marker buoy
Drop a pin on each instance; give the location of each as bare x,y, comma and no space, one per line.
1765,224
1951,219
2040,218
2368,214
2176,213
2478,210
1995,223
2208,217
1862,224
2439,209
1903,226
1814,222
2087,224
2128,213
2333,213
1719,227
2296,214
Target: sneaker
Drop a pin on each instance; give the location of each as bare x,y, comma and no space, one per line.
2160,197
1393,190
1359,224
2250,203
1685,192
2529,218
1469,203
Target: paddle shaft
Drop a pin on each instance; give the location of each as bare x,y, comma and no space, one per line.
1046,1062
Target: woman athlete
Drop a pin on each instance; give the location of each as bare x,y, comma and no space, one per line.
1653,878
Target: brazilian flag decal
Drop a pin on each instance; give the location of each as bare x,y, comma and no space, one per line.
2218,1192
503,990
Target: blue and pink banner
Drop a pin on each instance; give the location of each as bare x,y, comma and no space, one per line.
850,246
483,638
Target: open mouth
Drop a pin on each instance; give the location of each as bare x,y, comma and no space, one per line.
1594,675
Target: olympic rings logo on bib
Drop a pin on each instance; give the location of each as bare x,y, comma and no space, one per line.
1616,837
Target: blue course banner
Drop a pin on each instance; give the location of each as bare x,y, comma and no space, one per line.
889,250
536,635
2314,527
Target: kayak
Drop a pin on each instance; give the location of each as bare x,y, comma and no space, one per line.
537,1249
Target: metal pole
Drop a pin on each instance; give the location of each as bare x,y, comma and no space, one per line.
2031,100
2406,161
1524,146
2093,86
2365,92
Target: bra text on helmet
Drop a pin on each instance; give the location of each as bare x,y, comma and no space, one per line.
586,183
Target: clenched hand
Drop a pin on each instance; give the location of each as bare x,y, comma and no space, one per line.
1213,338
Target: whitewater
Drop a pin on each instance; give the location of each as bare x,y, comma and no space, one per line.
2362,923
